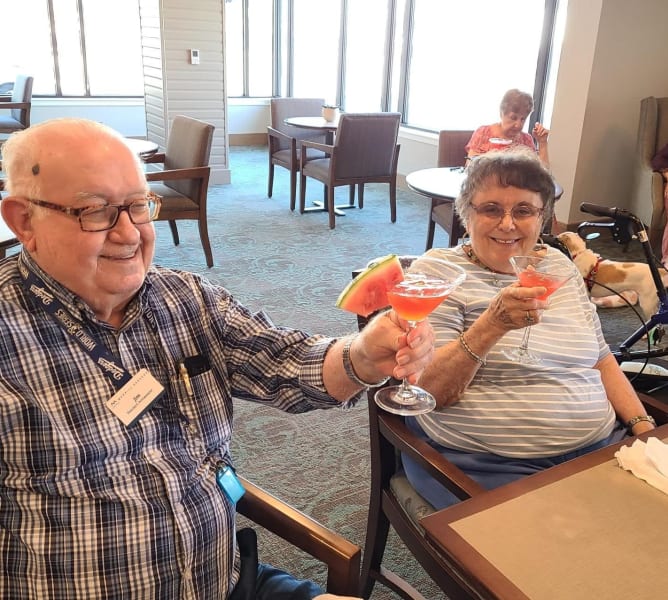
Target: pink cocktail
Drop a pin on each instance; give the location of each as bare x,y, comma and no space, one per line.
531,278
426,284
415,297
537,271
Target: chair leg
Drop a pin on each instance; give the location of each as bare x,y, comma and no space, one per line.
175,232
302,193
431,229
378,527
270,186
330,206
293,188
360,195
204,237
458,230
393,202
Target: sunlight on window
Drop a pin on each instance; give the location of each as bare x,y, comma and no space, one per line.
471,60
27,54
113,68
316,48
365,47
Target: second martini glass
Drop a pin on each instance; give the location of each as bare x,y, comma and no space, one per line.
536,271
424,287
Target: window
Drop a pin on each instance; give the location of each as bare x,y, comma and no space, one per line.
441,63
74,47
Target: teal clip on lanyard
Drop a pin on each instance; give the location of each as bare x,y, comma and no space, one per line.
229,482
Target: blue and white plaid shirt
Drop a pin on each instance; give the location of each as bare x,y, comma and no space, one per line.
90,508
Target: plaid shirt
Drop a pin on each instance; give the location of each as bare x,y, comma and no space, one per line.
90,508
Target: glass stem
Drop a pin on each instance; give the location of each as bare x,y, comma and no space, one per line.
524,346
405,391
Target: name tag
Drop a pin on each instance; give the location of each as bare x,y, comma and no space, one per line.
129,403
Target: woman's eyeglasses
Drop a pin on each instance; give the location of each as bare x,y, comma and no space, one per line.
519,212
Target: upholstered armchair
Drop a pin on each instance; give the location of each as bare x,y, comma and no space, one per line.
183,183
365,150
647,203
15,114
284,141
451,153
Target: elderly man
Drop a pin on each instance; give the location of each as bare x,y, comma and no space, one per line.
117,386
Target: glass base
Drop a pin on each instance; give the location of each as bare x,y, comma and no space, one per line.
394,399
524,356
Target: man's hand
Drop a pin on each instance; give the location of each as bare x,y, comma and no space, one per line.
385,347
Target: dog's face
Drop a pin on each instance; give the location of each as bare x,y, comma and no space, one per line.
572,241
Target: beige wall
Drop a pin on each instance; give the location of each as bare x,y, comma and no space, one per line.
614,54
173,86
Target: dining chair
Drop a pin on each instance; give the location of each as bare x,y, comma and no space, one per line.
184,181
365,150
341,556
18,107
451,153
394,502
284,140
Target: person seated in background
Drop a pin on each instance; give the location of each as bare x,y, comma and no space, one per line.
496,419
516,106
117,385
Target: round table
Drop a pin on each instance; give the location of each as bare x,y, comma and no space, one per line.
142,148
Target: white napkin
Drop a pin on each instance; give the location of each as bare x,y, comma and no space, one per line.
647,461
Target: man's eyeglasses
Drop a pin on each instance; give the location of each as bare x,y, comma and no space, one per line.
103,217
519,212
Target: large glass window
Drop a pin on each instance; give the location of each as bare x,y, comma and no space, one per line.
316,46
74,47
441,63
465,55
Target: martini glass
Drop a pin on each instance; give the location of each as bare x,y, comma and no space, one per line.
536,271
426,284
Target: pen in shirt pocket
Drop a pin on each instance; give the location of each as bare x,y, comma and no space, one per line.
185,378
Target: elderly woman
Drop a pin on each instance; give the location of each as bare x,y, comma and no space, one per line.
516,106
499,420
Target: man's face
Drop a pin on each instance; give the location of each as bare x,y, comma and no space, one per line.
104,268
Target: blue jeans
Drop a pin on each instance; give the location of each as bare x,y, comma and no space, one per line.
259,581
489,470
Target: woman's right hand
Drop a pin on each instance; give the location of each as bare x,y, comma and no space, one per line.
516,307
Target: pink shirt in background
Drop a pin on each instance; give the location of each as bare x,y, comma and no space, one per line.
479,142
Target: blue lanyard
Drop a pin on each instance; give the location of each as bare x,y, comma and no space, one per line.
109,364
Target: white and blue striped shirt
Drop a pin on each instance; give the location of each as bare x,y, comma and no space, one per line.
518,410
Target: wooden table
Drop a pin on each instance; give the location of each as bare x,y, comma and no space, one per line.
442,185
583,530
329,127
142,148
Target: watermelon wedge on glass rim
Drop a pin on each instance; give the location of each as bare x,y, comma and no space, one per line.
367,292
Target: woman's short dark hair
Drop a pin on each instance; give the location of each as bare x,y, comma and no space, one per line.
516,101
509,168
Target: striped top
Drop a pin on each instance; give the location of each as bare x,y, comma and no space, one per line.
90,508
517,410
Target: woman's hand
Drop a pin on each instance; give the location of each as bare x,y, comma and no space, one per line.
516,307
540,133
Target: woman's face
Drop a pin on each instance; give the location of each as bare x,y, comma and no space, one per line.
512,123
494,240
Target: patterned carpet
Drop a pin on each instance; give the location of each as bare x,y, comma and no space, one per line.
293,266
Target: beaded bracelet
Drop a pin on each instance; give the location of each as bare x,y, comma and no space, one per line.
462,342
350,370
